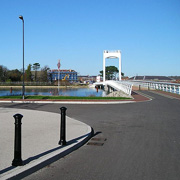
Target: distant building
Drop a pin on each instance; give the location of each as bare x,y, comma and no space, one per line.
98,78
151,78
176,79
87,79
69,75
124,78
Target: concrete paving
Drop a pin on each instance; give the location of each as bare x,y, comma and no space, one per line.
40,137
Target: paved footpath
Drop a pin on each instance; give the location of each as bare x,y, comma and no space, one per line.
40,137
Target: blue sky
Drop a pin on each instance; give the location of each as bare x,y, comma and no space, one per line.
77,31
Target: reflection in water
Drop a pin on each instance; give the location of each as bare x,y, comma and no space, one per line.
54,91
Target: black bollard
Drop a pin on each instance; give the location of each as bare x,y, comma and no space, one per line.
17,141
63,126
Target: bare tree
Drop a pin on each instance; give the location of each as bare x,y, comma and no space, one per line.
44,74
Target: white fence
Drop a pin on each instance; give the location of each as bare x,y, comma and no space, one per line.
168,87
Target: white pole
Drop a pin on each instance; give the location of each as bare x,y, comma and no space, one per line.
104,68
119,66
170,89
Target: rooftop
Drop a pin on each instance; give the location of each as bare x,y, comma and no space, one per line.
61,70
151,78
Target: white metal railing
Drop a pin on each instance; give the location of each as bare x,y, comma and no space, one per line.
120,86
168,87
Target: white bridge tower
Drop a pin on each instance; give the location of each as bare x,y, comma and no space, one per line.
111,55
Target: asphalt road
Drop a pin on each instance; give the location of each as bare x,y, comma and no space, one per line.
138,141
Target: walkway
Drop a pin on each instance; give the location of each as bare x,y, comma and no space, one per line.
40,137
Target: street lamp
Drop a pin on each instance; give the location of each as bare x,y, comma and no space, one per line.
23,88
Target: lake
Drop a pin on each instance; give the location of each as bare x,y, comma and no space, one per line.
54,91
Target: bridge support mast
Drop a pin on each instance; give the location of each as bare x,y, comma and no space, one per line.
111,55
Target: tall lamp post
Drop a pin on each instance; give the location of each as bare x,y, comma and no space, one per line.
23,88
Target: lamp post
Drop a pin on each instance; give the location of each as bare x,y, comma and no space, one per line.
23,89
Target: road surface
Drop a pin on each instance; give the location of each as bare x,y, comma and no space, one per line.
136,141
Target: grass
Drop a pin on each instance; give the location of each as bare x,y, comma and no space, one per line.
63,98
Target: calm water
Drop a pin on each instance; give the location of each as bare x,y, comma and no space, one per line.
54,91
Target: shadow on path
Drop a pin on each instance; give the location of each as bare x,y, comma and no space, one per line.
30,159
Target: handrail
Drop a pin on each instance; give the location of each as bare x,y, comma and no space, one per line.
164,86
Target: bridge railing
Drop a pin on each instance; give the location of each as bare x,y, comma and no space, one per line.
164,86
121,86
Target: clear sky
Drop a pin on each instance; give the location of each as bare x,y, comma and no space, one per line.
77,31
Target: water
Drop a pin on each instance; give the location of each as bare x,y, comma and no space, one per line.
84,92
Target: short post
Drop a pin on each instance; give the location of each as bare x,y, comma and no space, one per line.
17,141
63,126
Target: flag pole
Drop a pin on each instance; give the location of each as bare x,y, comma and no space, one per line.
58,74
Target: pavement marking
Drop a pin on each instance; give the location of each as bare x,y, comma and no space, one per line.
95,144
98,139
145,95
95,141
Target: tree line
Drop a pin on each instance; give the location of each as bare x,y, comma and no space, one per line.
31,74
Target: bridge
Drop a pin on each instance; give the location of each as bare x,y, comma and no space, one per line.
111,86
126,86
